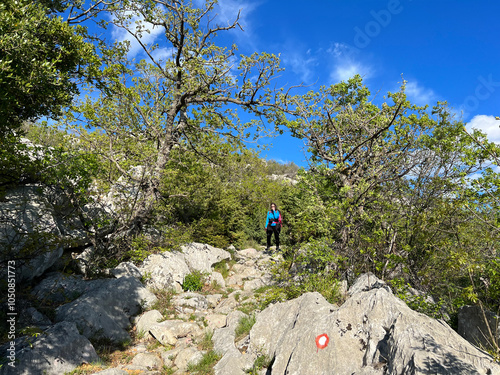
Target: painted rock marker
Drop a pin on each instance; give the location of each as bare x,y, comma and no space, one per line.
322,341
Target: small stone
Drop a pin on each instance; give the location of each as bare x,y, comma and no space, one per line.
213,300
169,331
216,321
148,360
189,355
147,320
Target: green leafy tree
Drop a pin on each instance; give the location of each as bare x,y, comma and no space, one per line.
168,99
392,181
358,147
41,57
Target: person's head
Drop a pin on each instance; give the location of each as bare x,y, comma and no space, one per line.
273,207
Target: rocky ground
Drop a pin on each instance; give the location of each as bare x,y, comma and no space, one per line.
140,321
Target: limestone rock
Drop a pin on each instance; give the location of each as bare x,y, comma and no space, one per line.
190,302
32,317
168,269
125,190
253,284
213,300
201,257
248,254
26,211
233,362
373,332
147,360
106,312
189,355
169,331
428,346
235,280
112,371
169,356
223,340
366,282
217,278
59,288
233,319
147,320
216,321
126,269
227,305
58,350
165,270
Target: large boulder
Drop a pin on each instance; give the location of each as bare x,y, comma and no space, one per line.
58,350
201,257
105,312
126,269
168,269
164,271
62,288
373,332
36,224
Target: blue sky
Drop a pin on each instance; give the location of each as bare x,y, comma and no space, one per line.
446,50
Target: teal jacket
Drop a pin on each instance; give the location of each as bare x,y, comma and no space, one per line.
273,218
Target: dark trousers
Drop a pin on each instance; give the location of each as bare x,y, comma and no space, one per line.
276,230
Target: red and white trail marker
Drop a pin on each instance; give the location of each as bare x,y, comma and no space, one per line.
322,341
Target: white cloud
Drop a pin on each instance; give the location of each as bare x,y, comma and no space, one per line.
346,63
488,125
163,54
149,34
342,50
302,65
420,95
227,11
347,69
224,14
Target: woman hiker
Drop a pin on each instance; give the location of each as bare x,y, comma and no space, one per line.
273,225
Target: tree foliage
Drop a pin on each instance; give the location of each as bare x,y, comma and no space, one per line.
393,189
186,87
41,56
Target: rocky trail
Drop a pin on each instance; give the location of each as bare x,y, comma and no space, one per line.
165,330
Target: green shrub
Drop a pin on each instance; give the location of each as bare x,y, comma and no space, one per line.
193,282
313,268
224,266
420,303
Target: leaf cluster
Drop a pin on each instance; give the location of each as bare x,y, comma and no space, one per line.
40,60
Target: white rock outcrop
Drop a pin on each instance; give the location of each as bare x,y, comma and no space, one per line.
372,332
168,269
106,311
58,350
